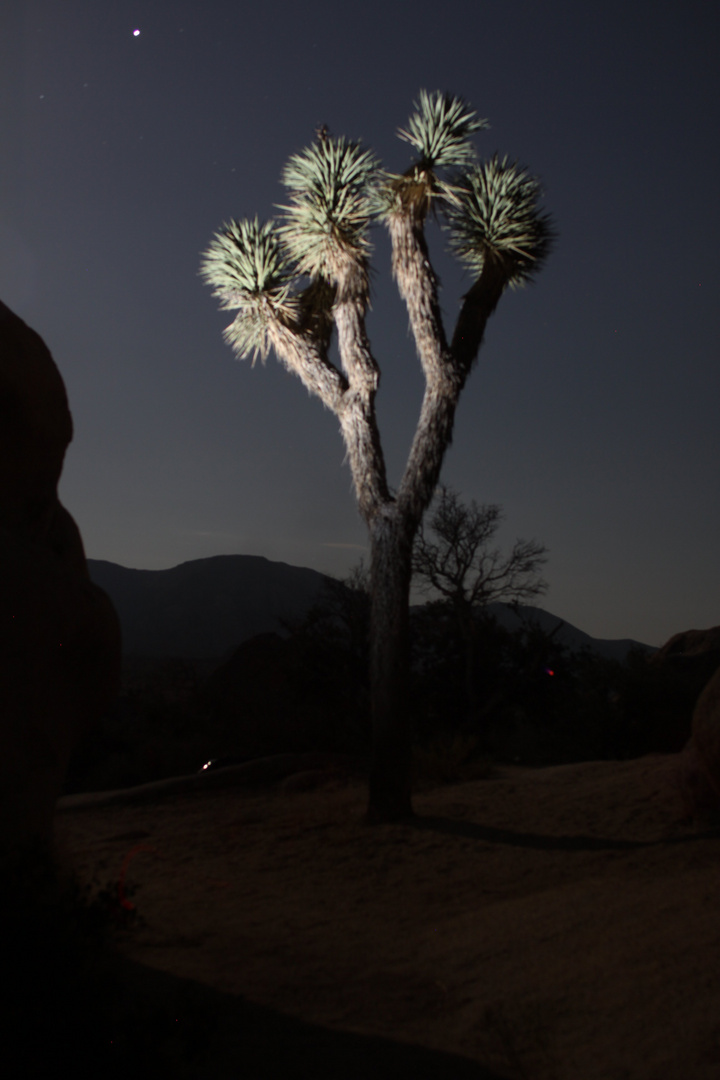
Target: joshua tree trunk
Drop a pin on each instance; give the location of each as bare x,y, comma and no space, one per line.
390,573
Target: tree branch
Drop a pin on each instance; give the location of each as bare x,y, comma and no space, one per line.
458,564
478,305
433,435
303,355
418,286
350,395
445,368
356,411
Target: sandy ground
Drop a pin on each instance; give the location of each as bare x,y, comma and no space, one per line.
552,924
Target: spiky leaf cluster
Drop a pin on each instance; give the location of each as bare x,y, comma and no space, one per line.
440,130
494,215
249,269
326,222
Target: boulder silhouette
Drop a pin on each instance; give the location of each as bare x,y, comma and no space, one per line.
676,676
700,799
696,653
60,646
706,732
690,664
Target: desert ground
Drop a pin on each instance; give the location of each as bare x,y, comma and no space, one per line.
541,924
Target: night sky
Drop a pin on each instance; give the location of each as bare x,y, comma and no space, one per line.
592,414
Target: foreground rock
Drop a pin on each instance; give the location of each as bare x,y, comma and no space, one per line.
661,704
690,662
706,735
695,652
540,923
298,772
59,635
700,798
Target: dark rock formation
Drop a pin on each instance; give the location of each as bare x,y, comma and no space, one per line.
689,701
700,798
676,676
695,653
706,731
59,635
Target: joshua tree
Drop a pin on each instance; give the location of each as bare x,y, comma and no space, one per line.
459,565
292,282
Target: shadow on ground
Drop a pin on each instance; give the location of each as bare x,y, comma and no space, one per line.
490,835
74,1004
168,1027
234,1038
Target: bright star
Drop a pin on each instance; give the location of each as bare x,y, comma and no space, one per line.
136,33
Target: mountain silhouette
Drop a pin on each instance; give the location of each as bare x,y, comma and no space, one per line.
511,618
205,608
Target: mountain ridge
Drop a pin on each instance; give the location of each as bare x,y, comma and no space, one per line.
569,635
205,608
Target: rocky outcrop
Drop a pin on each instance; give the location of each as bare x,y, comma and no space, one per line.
662,703
700,799
695,653
690,663
292,772
59,635
706,732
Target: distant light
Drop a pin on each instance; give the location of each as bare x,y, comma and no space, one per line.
549,671
136,33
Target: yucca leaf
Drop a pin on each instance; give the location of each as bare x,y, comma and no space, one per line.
325,224
440,128
249,269
493,213
247,258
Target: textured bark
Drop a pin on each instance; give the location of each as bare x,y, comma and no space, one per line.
357,409
445,368
433,436
479,304
306,357
418,287
389,796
